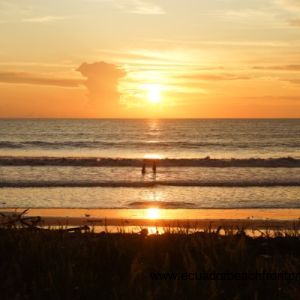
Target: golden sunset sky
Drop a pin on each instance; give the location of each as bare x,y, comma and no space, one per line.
149,58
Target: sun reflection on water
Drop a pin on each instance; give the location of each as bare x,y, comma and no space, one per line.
153,156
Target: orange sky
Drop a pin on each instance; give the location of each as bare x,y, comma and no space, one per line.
147,58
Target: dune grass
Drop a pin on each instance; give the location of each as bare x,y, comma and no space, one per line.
52,264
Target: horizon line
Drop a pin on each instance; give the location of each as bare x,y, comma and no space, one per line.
150,118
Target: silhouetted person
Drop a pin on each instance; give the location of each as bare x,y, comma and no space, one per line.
144,169
154,167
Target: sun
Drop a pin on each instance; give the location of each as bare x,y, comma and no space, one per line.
153,93
153,213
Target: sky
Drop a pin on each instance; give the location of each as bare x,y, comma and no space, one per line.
149,59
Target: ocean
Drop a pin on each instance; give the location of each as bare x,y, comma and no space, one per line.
203,163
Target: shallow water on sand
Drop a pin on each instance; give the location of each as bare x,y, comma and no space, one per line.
161,196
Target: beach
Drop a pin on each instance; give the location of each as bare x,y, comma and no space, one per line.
133,220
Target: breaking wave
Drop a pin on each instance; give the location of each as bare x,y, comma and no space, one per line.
157,144
283,162
144,184
161,204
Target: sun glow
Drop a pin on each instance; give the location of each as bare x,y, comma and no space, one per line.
153,213
153,93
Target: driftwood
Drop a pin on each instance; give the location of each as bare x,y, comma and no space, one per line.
19,220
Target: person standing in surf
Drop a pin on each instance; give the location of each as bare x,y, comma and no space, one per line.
144,168
154,166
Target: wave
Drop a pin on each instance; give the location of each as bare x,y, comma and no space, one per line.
148,184
50,145
102,144
283,162
161,204
105,144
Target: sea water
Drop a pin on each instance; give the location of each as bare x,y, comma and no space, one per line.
200,163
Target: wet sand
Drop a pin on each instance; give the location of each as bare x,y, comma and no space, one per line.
193,218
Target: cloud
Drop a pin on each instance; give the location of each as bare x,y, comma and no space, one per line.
294,23
102,81
38,79
141,7
145,8
216,77
293,81
290,3
196,43
279,68
272,98
46,19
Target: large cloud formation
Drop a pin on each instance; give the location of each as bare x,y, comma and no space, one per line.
102,81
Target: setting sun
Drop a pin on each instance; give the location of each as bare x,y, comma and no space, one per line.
153,93
153,213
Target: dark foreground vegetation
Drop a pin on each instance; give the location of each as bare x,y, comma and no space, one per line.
52,264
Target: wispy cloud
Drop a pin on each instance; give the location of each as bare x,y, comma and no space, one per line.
292,7
194,42
292,80
34,64
142,7
46,19
289,4
294,23
38,79
278,68
271,98
145,8
216,77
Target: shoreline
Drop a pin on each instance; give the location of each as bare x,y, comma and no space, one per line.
154,217
164,161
